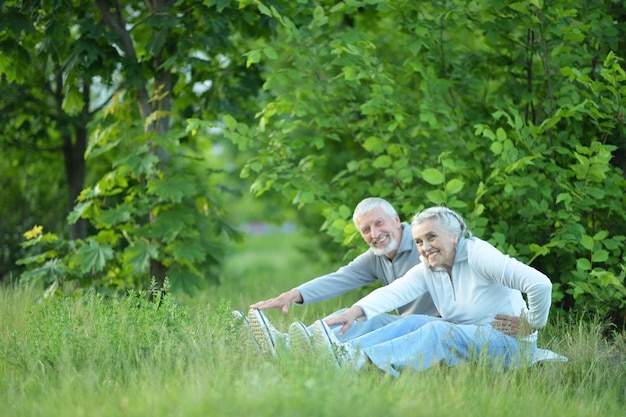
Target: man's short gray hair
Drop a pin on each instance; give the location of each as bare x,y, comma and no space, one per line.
369,204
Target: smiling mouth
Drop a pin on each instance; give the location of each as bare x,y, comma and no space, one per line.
376,241
431,256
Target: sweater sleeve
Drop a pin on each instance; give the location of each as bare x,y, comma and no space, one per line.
514,274
398,293
356,274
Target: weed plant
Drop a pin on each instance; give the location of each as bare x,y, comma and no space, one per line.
153,354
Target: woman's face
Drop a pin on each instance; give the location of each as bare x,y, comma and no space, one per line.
436,245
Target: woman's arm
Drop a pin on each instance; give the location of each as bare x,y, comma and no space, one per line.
514,274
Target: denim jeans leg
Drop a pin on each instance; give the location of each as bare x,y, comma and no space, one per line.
441,341
360,328
398,328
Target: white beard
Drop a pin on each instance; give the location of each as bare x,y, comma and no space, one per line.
393,245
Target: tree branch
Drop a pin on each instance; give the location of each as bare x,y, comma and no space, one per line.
118,28
117,25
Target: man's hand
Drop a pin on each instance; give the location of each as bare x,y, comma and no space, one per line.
346,318
282,302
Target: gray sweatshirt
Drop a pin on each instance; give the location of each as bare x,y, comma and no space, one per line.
367,268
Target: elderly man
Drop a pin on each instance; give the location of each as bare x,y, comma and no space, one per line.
391,254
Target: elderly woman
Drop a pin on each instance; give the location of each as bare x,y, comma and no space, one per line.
477,291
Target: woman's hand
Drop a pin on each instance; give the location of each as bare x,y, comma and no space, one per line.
346,318
512,325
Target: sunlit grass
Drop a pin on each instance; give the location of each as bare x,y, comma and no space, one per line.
97,357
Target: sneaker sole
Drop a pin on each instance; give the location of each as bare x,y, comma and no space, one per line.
323,342
259,328
242,319
300,339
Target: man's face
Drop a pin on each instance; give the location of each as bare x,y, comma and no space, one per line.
380,231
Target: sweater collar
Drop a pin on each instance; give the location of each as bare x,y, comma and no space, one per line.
461,251
406,243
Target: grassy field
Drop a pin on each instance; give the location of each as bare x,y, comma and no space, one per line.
93,357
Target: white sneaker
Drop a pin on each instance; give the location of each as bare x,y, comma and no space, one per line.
240,319
266,335
548,356
341,354
300,338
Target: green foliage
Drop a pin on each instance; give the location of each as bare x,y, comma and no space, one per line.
141,212
45,106
511,113
21,209
156,205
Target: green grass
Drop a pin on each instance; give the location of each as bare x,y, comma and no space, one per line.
94,357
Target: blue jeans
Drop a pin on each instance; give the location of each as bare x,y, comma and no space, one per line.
360,328
419,342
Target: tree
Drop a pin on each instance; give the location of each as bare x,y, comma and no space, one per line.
156,211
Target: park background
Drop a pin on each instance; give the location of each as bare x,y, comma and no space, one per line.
141,140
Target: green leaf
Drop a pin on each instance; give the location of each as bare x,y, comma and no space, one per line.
73,102
454,186
600,256
318,12
349,73
171,221
353,166
79,211
184,250
496,148
436,196
601,235
230,122
563,197
119,214
92,257
345,211
103,140
138,256
222,4
264,9
49,272
140,164
374,144
587,242
500,134
270,52
383,161
319,19
583,264
433,176
405,175
520,7
254,57
173,188
186,280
